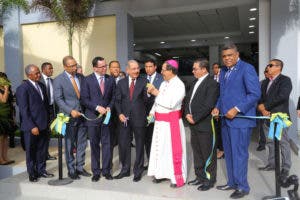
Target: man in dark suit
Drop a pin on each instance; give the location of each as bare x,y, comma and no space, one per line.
33,105
67,87
98,96
239,94
131,98
276,92
47,72
155,79
200,101
114,70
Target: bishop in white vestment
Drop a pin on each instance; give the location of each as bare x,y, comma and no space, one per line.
168,149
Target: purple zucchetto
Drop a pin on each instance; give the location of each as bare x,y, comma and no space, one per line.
173,63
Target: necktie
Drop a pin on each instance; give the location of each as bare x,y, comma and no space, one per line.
227,74
269,84
48,90
131,89
75,87
149,79
102,85
38,90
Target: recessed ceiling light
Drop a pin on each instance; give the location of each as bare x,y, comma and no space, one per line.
252,18
134,44
251,32
162,42
157,54
251,26
193,40
253,9
175,57
226,37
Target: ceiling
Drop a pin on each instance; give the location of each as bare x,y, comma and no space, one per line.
188,25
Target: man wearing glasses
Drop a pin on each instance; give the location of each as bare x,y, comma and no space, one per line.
67,87
98,96
276,92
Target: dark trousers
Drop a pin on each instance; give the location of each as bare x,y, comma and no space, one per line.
51,118
35,152
75,136
99,134
202,148
148,139
262,138
236,142
125,148
114,135
219,142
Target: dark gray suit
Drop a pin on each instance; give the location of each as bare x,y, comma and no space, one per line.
66,99
200,107
277,100
135,110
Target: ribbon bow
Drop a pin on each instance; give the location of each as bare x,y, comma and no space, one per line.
59,124
282,120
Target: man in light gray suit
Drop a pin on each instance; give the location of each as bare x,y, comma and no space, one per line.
66,95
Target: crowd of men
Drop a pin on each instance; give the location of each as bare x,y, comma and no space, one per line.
135,101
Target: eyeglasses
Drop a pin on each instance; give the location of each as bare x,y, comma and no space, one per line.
75,65
104,66
271,65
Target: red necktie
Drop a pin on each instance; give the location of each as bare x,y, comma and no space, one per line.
131,89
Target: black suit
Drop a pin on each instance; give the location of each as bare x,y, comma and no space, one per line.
135,111
200,107
276,99
298,105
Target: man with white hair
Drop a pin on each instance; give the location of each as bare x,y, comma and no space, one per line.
131,99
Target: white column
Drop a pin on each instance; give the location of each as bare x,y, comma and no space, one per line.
285,45
264,35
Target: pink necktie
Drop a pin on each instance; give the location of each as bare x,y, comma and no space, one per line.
131,89
102,85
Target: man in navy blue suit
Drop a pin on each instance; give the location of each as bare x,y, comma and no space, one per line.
98,96
155,79
239,94
33,105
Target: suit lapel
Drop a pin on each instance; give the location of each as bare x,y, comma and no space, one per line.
106,84
96,85
233,75
68,83
199,89
34,89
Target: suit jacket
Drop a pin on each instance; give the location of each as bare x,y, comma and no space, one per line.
277,98
65,96
203,102
55,107
240,89
91,96
33,109
156,82
135,109
298,105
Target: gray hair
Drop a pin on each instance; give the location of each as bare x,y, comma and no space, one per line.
203,63
132,62
28,68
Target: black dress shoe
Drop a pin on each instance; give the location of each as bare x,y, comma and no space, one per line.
237,194
51,157
146,167
33,178
122,175
46,175
260,148
155,180
73,176
96,178
137,178
206,186
84,173
173,185
267,168
225,187
195,182
108,177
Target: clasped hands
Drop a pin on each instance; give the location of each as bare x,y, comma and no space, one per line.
261,107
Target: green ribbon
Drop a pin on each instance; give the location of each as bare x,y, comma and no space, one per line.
89,119
208,161
59,124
